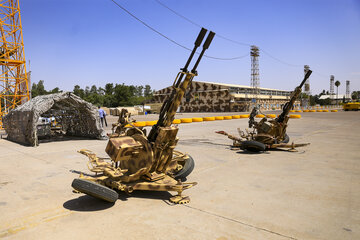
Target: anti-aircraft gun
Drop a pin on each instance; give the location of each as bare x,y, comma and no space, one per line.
140,162
268,134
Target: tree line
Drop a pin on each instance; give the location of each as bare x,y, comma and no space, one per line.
109,96
129,95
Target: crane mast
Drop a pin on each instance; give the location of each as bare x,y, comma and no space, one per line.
14,82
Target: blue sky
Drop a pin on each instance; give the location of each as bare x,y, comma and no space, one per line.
89,42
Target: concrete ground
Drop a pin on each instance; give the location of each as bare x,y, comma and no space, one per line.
310,194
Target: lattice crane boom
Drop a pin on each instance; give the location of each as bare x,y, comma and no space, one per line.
14,82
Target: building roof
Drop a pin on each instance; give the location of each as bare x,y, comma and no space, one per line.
339,96
240,86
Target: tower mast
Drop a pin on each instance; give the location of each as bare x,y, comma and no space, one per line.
255,82
14,85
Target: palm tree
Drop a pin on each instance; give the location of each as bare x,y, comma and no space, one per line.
337,84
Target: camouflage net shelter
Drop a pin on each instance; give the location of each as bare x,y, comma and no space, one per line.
75,116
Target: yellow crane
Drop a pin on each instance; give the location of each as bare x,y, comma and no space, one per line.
14,80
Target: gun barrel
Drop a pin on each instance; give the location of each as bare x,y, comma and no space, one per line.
307,75
167,104
205,46
200,37
290,103
197,43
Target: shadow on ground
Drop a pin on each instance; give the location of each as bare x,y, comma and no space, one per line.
250,153
86,203
164,196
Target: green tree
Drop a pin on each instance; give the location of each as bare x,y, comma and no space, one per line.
147,91
78,91
38,89
101,91
87,91
123,94
355,95
114,96
41,88
337,84
34,91
56,90
93,89
109,89
139,91
322,93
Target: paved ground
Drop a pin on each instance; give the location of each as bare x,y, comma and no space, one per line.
311,194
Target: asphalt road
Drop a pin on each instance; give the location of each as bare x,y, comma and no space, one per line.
311,194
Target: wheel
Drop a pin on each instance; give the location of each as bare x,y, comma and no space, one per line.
188,167
286,139
253,146
95,190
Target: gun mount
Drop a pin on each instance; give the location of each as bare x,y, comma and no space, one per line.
140,162
268,134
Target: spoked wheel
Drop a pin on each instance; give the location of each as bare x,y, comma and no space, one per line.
95,190
187,165
253,146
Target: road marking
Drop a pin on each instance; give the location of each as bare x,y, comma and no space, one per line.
242,223
33,220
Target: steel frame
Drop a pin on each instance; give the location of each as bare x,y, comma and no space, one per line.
14,85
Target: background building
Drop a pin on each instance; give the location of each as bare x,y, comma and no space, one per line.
220,97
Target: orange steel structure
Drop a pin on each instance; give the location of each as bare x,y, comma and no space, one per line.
14,85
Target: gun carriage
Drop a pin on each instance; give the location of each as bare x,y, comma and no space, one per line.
268,133
140,162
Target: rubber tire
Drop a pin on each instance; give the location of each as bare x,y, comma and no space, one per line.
253,146
186,170
286,139
95,190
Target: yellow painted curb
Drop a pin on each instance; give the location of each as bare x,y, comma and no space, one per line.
325,110
186,120
235,116
292,110
312,110
150,123
227,117
271,115
197,119
294,116
139,124
219,118
244,116
305,110
319,110
333,110
297,110
176,121
209,118
260,116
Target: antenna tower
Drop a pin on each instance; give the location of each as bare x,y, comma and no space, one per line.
14,87
347,94
332,84
255,82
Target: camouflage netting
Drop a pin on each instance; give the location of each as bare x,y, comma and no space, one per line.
76,116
